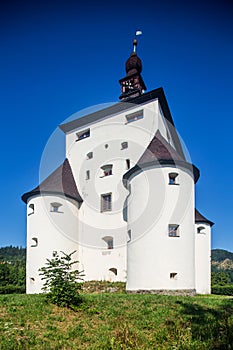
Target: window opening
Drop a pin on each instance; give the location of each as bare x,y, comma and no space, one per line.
83,134
127,163
173,275
134,116
109,241
106,202
55,207
89,155
88,175
34,242
107,170
173,178
201,229
31,209
114,270
173,230
124,145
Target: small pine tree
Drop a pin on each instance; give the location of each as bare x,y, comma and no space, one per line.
61,282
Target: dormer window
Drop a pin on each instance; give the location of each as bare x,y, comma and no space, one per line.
83,134
55,207
173,178
134,116
173,230
106,170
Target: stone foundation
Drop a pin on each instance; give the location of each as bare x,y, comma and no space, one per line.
182,292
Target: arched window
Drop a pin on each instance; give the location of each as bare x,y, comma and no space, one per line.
173,178
200,229
31,209
109,241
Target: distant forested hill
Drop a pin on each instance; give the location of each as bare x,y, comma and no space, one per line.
221,255
222,261
12,254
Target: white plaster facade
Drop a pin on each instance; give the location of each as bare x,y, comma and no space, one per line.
124,153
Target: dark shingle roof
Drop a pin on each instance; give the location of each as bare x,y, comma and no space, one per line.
200,218
61,181
161,152
158,149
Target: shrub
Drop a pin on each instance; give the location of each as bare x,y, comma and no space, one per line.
61,282
223,290
12,289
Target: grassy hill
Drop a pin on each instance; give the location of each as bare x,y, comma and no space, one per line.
117,321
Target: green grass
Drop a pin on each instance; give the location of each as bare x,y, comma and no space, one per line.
117,321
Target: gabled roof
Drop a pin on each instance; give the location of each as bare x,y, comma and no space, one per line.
200,218
159,148
61,181
161,152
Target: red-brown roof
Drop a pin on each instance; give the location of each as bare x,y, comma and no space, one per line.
200,218
158,149
61,181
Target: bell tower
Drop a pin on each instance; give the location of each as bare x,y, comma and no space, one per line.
132,85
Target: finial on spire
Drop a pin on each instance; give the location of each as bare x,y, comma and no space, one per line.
135,42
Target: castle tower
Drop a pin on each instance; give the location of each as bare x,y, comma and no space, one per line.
52,222
132,85
161,246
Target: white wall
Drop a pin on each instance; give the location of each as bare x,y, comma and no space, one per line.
54,232
151,254
203,258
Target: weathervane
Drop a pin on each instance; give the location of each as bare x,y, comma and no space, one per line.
138,32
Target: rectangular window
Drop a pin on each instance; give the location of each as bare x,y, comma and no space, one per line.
173,275
83,134
88,175
127,163
173,230
106,202
134,116
106,170
173,178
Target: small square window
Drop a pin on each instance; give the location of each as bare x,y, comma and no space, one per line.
90,155
106,202
124,145
34,242
173,230
173,275
109,241
201,229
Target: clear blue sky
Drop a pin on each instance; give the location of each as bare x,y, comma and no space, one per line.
58,57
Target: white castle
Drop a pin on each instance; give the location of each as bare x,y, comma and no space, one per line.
123,199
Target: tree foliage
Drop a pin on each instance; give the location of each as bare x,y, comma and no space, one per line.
61,280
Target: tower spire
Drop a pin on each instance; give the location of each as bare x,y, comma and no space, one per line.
132,85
